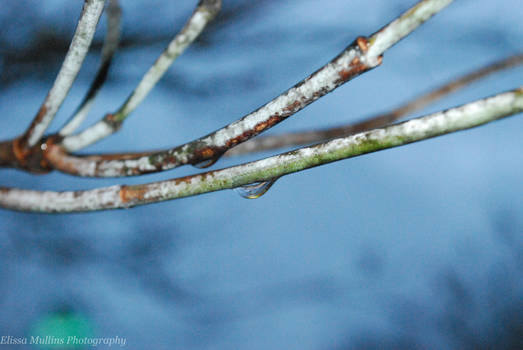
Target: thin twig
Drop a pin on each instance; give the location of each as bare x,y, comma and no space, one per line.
71,65
464,117
302,138
112,38
361,56
202,15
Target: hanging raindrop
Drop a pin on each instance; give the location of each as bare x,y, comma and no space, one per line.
255,189
206,163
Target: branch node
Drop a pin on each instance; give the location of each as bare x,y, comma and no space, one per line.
33,158
113,121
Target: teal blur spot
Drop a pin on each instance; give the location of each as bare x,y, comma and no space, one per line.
61,330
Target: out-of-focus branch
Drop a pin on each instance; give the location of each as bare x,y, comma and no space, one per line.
109,48
202,15
361,56
71,65
265,143
464,117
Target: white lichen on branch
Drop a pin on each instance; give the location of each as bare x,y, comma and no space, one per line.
202,15
70,67
361,56
307,137
396,30
464,117
110,46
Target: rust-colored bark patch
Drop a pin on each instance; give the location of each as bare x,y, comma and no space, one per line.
292,107
111,120
207,153
258,128
18,155
347,74
203,154
132,194
40,115
362,43
185,179
20,151
57,158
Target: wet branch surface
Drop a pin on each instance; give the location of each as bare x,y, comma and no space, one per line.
122,196
362,55
35,153
265,143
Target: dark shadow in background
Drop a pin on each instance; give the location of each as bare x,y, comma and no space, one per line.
487,316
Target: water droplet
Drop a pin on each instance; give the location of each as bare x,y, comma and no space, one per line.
255,189
206,163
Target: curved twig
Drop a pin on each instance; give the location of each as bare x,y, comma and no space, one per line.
112,38
302,138
71,65
362,55
202,15
464,117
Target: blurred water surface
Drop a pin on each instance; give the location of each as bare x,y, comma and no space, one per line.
416,247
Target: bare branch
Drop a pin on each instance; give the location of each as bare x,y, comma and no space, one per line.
112,38
359,57
396,30
202,15
265,143
73,61
464,117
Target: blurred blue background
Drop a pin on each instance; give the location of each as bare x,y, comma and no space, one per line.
415,247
